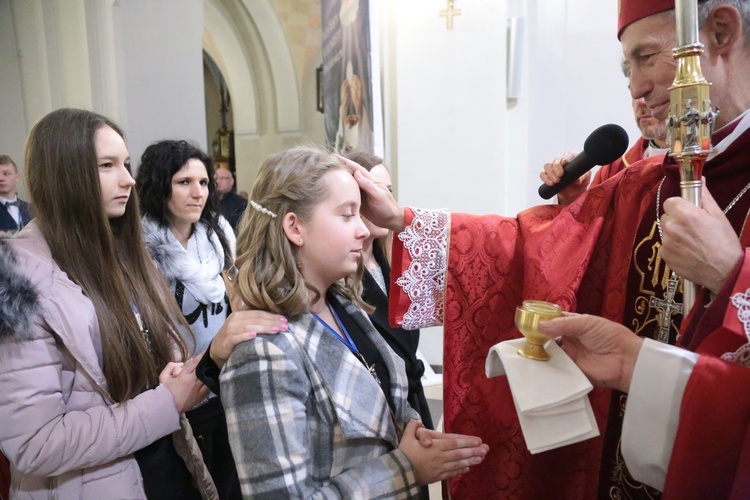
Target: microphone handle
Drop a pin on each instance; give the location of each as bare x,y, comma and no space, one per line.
574,169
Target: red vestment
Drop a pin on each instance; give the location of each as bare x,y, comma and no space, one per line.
631,156
578,256
711,455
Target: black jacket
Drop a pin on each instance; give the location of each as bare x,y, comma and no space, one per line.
8,223
403,342
232,206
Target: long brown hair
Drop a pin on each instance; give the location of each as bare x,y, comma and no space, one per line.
106,258
289,181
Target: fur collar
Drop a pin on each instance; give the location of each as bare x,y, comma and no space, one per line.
161,249
19,300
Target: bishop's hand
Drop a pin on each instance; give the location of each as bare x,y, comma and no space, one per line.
378,204
604,350
699,244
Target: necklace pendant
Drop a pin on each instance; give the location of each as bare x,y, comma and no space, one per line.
370,368
666,307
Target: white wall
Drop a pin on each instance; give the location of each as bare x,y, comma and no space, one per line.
454,141
573,85
13,122
161,90
102,55
451,106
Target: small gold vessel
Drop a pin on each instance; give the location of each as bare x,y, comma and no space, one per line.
528,317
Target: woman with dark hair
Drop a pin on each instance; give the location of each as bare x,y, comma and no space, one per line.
90,396
376,284
193,246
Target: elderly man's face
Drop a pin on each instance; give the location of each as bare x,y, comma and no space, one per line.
224,180
647,48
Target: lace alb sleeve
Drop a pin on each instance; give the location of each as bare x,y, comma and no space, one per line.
426,240
742,355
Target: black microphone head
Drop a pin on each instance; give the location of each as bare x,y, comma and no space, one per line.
606,144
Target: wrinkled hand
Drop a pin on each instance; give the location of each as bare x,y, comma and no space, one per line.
187,391
241,326
378,204
447,455
699,244
553,172
604,350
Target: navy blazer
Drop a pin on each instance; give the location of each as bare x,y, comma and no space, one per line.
8,223
403,342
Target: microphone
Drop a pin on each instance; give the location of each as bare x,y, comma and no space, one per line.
604,145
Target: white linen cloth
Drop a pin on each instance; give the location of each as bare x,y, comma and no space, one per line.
551,397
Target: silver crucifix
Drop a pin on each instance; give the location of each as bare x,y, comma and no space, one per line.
666,307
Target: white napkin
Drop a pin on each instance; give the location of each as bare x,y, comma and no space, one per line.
550,396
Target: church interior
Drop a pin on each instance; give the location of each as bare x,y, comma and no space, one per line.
456,131
465,101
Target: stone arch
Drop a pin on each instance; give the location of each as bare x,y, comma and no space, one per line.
247,42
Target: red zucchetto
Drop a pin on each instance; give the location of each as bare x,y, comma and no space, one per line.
630,11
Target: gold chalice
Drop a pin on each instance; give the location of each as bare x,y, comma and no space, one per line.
528,317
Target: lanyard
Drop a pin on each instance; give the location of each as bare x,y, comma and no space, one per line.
348,342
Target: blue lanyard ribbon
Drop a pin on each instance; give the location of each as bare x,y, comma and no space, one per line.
348,342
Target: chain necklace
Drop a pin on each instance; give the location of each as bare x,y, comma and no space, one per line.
668,306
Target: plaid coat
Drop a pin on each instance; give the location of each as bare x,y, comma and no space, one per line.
307,420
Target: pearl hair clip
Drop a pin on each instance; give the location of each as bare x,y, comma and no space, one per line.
260,208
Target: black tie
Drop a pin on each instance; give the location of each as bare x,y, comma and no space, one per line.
12,204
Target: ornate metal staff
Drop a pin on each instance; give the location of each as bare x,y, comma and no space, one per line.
691,120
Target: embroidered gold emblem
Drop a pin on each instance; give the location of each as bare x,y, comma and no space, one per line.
653,280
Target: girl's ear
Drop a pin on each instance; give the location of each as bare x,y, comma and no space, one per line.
293,228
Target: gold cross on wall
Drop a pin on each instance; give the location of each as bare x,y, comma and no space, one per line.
449,13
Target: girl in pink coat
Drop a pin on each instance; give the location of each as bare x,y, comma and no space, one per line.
90,396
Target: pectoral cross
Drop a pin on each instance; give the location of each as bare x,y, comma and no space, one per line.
666,307
449,13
